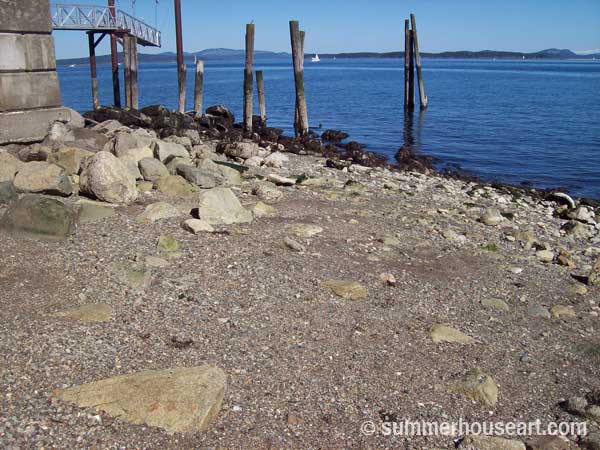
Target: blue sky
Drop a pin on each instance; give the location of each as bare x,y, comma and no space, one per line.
366,25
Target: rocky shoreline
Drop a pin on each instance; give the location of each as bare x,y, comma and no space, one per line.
171,282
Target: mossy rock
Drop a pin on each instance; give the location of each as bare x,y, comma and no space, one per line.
40,217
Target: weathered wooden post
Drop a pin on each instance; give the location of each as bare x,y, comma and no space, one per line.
93,73
114,59
133,54
298,60
423,97
297,109
199,87
260,87
409,81
181,80
248,77
181,68
127,68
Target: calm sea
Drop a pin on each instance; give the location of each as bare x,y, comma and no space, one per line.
532,122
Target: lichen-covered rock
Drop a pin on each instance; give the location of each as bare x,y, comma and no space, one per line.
43,178
594,277
165,151
483,442
152,169
9,166
106,178
220,206
478,386
184,399
202,178
176,186
39,217
348,290
69,158
443,333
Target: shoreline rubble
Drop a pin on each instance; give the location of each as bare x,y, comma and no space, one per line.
313,271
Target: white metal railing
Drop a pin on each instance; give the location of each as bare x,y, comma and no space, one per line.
87,17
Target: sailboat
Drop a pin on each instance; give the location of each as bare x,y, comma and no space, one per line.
316,58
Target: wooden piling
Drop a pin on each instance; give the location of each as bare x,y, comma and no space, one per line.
181,80
181,68
115,60
297,110
422,96
248,77
409,84
93,72
298,60
199,87
260,87
133,54
127,69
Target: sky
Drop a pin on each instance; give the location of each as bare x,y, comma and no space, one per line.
334,26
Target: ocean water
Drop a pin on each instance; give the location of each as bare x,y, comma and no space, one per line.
533,122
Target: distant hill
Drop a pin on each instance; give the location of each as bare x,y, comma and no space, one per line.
551,53
211,54
216,54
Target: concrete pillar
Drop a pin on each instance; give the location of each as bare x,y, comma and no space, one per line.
29,90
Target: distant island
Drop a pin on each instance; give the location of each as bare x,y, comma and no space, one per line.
217,54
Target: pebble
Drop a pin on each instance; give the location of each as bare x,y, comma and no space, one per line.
545,256
491,217
294,245
495,303
388,279
280,181
538,312
197,226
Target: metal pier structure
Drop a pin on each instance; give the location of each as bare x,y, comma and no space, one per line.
122,28
103,19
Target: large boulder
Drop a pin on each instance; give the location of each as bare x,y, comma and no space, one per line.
7,193
106,178
34,152
136,154
183,399
158,211
276,160
201,178
231,176
165,151
220,206
69,158
152,169
334,136
181,140
108,127
39,217
129,117
221,111
9,166
91,211
88,140
176,186
242,150
43,178
594,278
124,141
